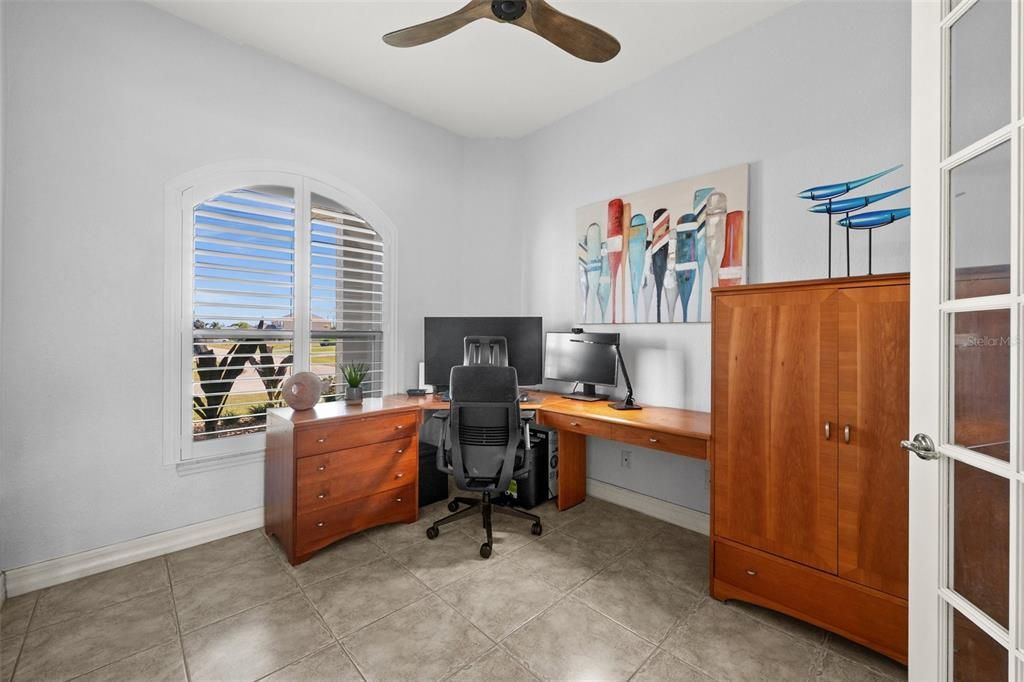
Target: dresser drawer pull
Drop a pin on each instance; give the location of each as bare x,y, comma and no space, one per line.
399,474
751,572
321,496
652,440
322,467
574,423
398,499
321,439
399,427
320,524
400,450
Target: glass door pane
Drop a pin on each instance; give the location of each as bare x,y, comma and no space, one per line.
980,391
979,73
980,509
975,655
979,224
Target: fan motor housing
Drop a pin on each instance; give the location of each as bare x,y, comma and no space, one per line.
508,10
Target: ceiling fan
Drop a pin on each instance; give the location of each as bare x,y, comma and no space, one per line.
576,37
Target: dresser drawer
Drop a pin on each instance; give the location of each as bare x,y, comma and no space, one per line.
657,440
354,473
577,424
343,462
872,618
314,529
354,432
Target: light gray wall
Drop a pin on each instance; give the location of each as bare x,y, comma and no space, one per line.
816,94
108,103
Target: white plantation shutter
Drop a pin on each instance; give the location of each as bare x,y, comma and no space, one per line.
243,292
346,295
246,277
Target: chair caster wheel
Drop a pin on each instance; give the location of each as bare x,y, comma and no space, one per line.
453,506
485,550
536,529
432,533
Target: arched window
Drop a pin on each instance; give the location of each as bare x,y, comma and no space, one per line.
277,276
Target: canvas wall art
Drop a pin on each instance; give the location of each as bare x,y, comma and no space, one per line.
653,256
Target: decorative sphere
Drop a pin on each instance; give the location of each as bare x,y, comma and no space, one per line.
302,391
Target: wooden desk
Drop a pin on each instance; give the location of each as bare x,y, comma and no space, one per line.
338,469
681,432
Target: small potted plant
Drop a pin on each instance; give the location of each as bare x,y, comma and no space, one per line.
354,375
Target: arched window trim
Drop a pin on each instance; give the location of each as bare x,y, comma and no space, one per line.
181,195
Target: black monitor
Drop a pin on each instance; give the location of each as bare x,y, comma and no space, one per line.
443,345
586,358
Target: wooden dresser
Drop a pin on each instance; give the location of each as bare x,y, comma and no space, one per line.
810,398
337,469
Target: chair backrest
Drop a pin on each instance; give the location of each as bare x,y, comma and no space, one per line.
485,350
484,426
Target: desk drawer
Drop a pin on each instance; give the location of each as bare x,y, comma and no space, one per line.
590,427
314,529
354,473
344,462
658,440
352,433
875,619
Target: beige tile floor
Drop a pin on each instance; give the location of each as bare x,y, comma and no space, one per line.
605,594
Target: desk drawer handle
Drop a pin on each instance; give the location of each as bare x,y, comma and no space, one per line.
751,572
400,450
652,440
320,524
399,475
322,496
321,439
399,427
574,423
322,467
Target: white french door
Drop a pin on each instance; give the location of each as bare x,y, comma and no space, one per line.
966,505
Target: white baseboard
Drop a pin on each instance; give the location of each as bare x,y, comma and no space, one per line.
675,514
61,570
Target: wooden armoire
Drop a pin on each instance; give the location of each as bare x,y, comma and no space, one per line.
810,396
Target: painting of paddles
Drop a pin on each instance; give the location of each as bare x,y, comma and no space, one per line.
653,256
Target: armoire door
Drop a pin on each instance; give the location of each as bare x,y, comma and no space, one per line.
774,402
874,337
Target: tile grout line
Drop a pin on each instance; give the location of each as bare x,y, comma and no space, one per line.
24,637
177,621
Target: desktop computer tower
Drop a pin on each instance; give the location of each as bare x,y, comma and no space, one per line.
541,482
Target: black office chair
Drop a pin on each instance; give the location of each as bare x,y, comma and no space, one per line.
483,444
485,350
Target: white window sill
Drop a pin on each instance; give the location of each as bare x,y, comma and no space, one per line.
202,464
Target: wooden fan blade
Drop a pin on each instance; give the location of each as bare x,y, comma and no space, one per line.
576,37
439,28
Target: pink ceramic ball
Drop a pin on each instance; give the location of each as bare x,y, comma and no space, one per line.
302,391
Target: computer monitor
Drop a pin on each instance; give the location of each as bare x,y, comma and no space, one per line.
443,345
586,358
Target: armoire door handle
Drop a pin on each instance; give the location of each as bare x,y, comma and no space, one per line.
846,433
828,430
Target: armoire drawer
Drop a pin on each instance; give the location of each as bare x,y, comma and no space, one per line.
314,529
353,473
353,433
873,618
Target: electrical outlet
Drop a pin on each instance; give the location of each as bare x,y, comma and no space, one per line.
627,459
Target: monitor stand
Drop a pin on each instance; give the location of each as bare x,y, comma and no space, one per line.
588,394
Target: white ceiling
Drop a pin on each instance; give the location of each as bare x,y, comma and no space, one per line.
487,79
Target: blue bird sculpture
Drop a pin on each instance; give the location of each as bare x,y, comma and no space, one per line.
840,188
854,203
